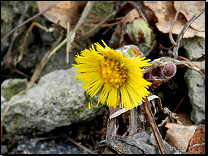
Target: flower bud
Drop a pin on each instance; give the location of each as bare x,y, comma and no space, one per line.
140,34
130,51
160,75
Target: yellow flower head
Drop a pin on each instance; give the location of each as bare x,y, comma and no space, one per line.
119,77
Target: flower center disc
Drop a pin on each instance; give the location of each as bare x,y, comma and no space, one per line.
113,73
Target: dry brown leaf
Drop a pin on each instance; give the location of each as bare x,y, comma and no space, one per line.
197,143
117,38
189,9
165,13
65,11
179,135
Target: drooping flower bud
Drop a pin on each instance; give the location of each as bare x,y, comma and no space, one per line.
160,75
140,34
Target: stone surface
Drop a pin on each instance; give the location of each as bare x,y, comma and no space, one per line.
196,93
194,48
57,100
4,149
11,87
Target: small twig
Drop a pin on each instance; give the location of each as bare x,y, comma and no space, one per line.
171,28
139,10
40,13
175,49
111,125
79,145
21,73
94,17
192,66
91,20
107,31
28,31
133,121
154,127
68,43
103,25
88,41
94,144
77,46
109,16
179,103
82,31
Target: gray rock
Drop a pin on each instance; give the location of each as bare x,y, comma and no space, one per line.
11,87
57,100
4,149
196,93
195,48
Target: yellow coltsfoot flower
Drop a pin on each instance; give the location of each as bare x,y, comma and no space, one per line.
117,76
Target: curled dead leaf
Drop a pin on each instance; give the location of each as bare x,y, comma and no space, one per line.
65,11
189,9
165,13
179,135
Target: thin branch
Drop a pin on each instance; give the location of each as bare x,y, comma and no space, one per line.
94,17
79,145
111,125
77,46
192,65
179,103
25,39
171,28
103,25
154,127
109,16
68,43
133,121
